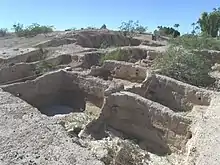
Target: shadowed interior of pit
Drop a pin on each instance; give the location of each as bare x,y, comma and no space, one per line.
63,102
51,94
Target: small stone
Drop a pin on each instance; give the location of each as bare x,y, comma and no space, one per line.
68,69
38,156
110,78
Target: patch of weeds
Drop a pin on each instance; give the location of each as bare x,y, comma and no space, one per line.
185,66
123,152
44,67
32,30
118,54
75,122
3,32
196,42
104,45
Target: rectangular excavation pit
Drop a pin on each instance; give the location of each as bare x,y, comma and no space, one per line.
16,73
178,96
23,55
53,93
21,72
120,70
172,93
125,70
157,128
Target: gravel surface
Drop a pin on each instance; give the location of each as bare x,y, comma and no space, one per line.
28,137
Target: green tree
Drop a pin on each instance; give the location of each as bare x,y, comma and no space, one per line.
3,32
103,26
91,28
193,26
197,28
18,27
176,26
210,22
168,31
141,29
71,29
31,30
131,28
128,28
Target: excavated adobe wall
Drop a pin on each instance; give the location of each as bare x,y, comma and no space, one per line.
94,39
30,56
17,73
55,42
48,90
174,94
156,127
120,69
94,88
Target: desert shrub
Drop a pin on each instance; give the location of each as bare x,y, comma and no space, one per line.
44,67
131,28
3,32
167,31
185,66
141,29
128,28
104,45
196,42
117,54
91,28
35,29
18,27
31,30
123,152
103,26
71,29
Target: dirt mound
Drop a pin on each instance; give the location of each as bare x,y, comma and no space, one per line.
103,39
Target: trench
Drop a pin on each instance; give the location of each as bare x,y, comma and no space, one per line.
21,72
52,94
58,103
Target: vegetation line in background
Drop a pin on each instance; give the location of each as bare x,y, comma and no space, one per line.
208,24
31,30
118,55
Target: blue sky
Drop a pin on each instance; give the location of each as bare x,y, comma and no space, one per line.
65,14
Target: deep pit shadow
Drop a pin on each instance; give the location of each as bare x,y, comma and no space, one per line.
62,102
98,130
56,110
58,103
155,148
161,148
